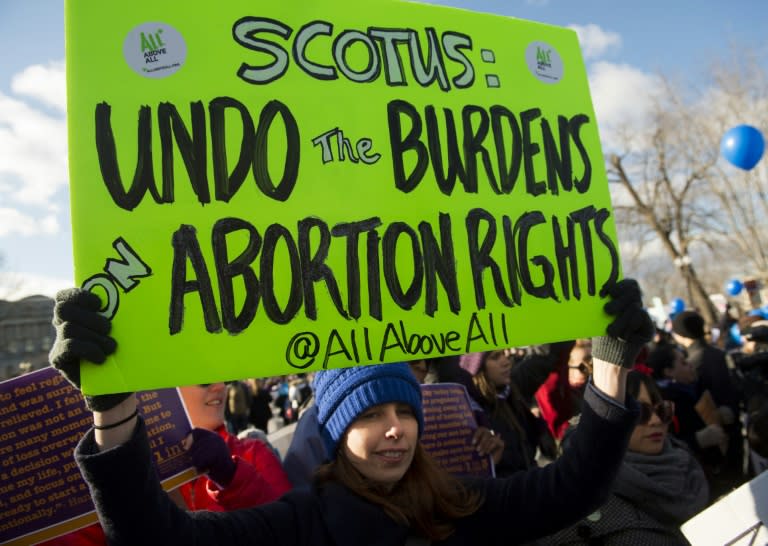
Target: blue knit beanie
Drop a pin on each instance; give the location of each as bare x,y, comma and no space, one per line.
341,395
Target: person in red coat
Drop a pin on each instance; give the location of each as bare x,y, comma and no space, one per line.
252,472
555,397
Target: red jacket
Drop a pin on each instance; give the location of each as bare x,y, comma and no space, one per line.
259,479
555,400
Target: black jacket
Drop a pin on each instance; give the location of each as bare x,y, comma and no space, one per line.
714,376
134,510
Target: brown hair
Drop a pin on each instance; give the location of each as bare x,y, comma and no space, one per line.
427,498
501,408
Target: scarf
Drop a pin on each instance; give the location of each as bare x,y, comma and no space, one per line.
670,487
504,393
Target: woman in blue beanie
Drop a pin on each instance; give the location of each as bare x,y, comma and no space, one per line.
380,487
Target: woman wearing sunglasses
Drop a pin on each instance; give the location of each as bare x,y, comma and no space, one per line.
660,485
676,379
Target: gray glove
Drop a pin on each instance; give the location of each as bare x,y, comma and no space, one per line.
81,332
726,415
711,436
630,330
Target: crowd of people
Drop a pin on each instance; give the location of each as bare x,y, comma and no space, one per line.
618,439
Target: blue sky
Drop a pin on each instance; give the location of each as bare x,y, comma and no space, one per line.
624,43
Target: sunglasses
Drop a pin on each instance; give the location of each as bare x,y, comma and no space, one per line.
583,367
665,410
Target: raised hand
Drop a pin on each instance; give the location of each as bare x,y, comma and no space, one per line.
210,454
630,330
82,333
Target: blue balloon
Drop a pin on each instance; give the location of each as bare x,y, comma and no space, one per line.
734,287
677,305
735,331
743,146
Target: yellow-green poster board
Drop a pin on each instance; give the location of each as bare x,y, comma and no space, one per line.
261,188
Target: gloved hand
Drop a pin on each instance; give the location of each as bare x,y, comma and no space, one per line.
631,329
210,454
726,415
711,436
81,332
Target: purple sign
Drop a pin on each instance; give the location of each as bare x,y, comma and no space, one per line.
449,425
42,417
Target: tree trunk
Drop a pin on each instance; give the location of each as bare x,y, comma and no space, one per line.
700,297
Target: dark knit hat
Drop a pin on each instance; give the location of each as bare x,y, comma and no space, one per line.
757,332
472,362
343,394
688,324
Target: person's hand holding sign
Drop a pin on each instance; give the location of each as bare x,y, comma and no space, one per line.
83,334
614,354
487,442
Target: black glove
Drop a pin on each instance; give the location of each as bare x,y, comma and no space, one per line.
81,332
210,454
631,329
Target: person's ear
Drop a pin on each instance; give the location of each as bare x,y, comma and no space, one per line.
667,373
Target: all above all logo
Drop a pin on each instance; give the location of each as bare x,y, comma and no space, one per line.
155,50
544,62
152,46
543,57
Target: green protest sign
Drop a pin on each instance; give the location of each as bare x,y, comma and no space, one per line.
260,189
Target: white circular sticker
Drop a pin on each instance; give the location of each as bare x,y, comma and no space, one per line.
155,50
544,62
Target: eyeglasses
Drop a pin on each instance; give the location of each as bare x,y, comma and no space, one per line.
665,410
583,367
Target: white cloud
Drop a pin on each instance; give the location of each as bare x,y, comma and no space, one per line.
13,221
44,83
15,285
595,41
623,96
50,224
33,150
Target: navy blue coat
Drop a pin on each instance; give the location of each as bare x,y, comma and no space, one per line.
134,510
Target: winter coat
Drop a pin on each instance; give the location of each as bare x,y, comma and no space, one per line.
519,445
307,450
558,402
714,376
652,496
259,479
617,523
515,509
688,421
